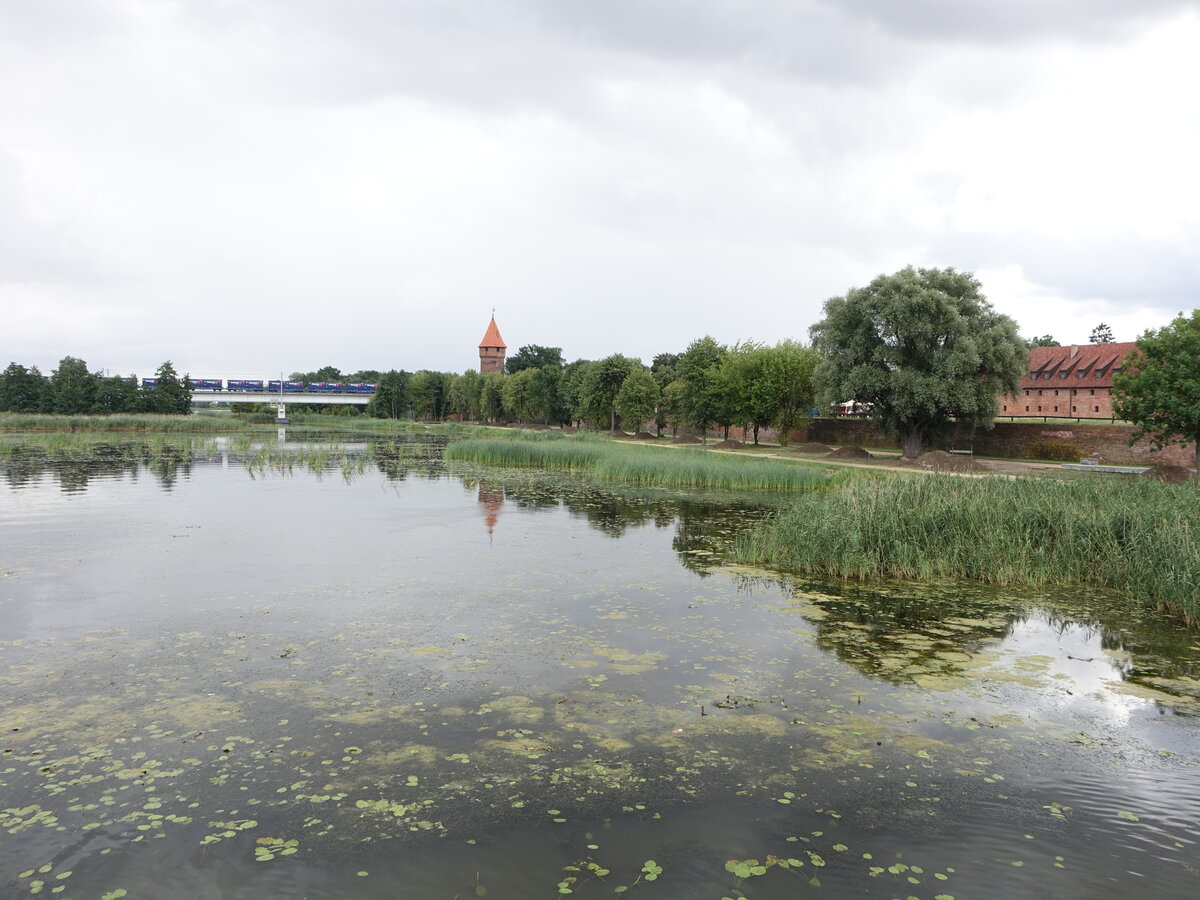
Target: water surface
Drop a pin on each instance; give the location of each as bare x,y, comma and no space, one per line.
449,683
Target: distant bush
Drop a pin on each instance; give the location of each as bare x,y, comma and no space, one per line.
1058,448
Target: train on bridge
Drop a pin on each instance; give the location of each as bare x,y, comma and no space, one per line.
275,387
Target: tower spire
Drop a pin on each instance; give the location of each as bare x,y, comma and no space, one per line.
492,348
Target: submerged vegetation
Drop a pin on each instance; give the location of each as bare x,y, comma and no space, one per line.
640,465
1139,537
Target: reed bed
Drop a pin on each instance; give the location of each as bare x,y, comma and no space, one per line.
640,465
84,444
41,422
1140,537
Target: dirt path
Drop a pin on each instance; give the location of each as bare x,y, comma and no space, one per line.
887,463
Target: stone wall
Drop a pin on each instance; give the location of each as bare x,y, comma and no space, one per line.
1011,439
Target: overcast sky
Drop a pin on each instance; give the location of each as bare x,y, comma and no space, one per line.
256,186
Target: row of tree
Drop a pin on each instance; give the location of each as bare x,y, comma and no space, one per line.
919,349
706,385
73,390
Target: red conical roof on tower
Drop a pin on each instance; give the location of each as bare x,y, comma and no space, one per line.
492,337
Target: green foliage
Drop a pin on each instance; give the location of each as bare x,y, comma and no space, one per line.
613,461
996,531
1158,388
769,386
491,397
921,347
325,373
533,356
545,398
1054,448
598,391
701,400
570,390
427,395
72,388
391,396
1101,334
170,396
515,396
462,394
670,406
22,390
637,399
1045,340
116,395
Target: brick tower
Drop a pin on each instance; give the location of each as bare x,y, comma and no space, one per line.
491,350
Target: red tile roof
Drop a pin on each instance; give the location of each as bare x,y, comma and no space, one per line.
1080,365
491,337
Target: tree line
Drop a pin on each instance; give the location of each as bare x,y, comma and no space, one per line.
73,390
919,349
707,385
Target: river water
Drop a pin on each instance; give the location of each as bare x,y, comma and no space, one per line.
422,681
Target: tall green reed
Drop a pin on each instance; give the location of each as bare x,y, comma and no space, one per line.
1140,537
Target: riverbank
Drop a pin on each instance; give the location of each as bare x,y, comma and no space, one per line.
1140,537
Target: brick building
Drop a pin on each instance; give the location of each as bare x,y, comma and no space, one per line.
1068,382
491,350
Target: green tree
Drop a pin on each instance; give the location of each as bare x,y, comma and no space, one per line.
72,387
1101,334
637,399
1046,340
1158,387
770,386
697,369
390,400
515,396
462,395
427,394
491,396
920,347
21,389
788,384
533,356
115,395
543,393
598,393
670,406
570,390
170,396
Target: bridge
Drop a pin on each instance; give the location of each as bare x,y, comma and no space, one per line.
280,400
276,398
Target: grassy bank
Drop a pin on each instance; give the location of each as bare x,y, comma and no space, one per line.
1139,537
642,465
130,423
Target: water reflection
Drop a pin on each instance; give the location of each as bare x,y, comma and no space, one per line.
276,717
1101,652
492,501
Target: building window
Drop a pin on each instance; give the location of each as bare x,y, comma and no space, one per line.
1074,408
1039,409
1056,407
1092,391
1027,409
1056,393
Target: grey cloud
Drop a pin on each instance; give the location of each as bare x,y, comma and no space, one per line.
988,22
1126,269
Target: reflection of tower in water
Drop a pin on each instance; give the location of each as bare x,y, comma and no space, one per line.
492,501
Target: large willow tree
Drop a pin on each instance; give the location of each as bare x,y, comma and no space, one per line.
921,347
